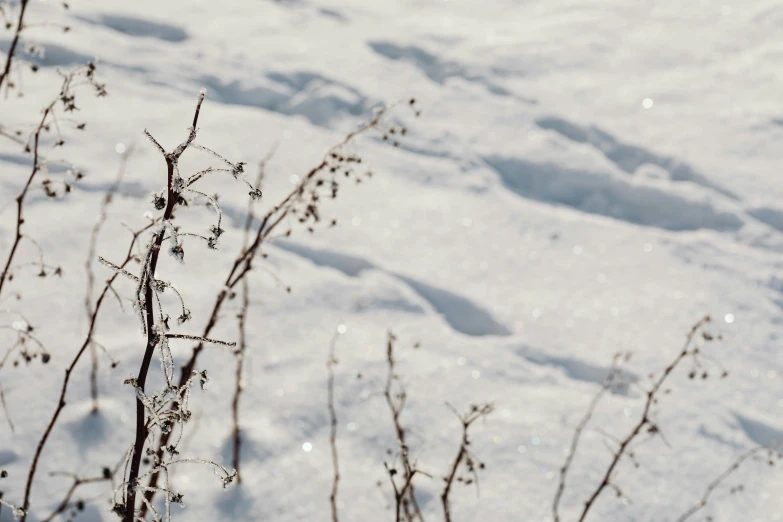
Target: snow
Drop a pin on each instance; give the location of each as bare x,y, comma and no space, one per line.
586,177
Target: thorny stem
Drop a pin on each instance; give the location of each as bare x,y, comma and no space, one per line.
61,402
152,337
645,419
14,42
243,264
330,362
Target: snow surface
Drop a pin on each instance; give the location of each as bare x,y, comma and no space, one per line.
587,176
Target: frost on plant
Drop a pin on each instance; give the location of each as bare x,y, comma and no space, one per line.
166,411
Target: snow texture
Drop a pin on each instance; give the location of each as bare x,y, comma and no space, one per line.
586,177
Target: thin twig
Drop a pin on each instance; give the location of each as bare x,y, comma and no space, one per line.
396,403
719,479
65,97
241,350
605,387
91,255
645,421
14,42
106,476
61,402
474,413
330,363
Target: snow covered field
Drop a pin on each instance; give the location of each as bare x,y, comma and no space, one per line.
586,177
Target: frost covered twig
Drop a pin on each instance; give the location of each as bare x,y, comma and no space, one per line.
199,339
171,496
166,409
301,201
16,510
61,402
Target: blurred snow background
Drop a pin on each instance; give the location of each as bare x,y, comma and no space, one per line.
587,177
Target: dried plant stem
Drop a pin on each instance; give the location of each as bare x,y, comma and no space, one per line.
61,402
91,256
463,454
405,496
5,409
69,495
400,493
107,476
66,97
605,387
242,320
330,363
20,198
152,336
239,385
244,262
14,42
718,480
644,421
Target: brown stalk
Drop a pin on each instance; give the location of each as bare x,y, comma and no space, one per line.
405,497
61,402
242,341
20,198
400,493
152,336
330,363
14,42
238,385
66,97
464,454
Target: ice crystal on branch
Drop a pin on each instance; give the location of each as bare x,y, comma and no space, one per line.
166,410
